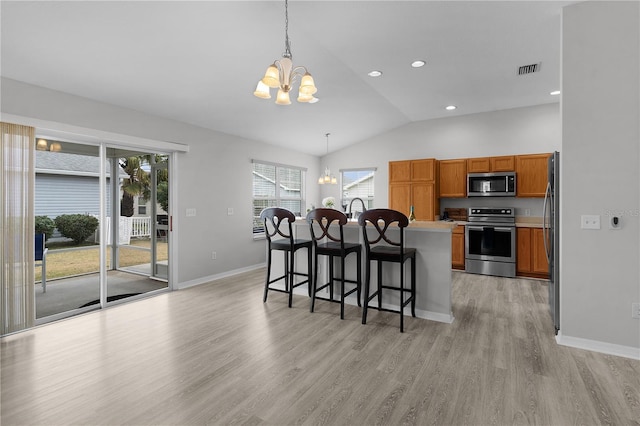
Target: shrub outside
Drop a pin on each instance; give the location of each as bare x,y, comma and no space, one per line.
77,227
45,225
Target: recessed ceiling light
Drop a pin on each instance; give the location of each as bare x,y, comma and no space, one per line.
555,92
418,64
374,73
451,107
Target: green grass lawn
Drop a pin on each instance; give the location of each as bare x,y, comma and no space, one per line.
86,259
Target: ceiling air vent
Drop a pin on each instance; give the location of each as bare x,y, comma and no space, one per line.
529,69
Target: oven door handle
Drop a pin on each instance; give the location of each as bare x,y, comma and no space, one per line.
495,228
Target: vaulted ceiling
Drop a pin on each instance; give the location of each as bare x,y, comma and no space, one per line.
198,62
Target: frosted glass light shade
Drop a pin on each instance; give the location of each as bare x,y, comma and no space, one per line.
262,91
55,147
303,97
283,98
307,85
42,145
272,77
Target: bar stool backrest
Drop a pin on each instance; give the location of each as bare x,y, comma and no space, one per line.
273,218
381,220
320,221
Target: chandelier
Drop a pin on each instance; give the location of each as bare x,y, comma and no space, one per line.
281,74
327,177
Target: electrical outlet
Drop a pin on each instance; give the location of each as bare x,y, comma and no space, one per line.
635,310
214,255
590,221
527,212
230,211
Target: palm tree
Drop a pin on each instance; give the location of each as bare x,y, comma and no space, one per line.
136,184
139,182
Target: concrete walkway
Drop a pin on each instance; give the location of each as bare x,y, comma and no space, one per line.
68,294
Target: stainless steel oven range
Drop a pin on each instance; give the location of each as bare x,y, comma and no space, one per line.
490,241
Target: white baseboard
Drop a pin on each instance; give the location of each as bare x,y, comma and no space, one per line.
208,279
597,346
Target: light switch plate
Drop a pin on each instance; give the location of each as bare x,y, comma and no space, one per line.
590,221
191,212
230,211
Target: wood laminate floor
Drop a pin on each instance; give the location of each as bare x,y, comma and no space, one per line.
215,354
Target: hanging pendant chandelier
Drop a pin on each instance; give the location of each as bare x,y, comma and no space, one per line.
327,178
281,75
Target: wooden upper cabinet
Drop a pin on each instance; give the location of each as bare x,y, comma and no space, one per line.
399,171
423,170
413,183
479,165
400,197
505,163
531,175
424,201
452,178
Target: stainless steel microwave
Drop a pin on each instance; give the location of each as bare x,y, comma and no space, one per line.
491,184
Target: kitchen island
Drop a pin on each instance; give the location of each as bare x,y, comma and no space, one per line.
432,240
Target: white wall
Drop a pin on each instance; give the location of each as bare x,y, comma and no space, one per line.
214,175
514,131
599,171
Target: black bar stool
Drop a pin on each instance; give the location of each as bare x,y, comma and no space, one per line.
274,219
320,221
380,247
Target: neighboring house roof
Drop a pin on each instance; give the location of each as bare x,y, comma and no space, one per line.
359,181
273,182
70,164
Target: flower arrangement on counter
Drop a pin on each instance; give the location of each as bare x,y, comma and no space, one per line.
329,202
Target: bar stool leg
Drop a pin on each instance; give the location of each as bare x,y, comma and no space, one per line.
342,259
291,276
365,301
359,276
379,292
330,258
401,297
413,287
315,283
266,283
309,267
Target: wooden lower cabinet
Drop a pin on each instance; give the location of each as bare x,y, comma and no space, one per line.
540,265
457,247
531,259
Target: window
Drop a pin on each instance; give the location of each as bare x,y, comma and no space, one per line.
142,210
276,185
357,183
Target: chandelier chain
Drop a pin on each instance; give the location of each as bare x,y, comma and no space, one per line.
287,47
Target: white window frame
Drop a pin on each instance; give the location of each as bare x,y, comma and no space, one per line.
278,199
346,199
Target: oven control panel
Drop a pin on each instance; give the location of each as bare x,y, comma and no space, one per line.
491,211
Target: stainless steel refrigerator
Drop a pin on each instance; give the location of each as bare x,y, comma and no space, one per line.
551,225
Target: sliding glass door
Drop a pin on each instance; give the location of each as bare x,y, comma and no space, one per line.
124,193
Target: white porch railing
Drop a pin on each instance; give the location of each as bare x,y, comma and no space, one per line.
140,226
129,227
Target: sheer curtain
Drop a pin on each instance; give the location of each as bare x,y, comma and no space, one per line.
17,232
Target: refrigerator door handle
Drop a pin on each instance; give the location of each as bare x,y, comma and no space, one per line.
545,228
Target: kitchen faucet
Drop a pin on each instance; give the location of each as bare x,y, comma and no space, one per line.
364,208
